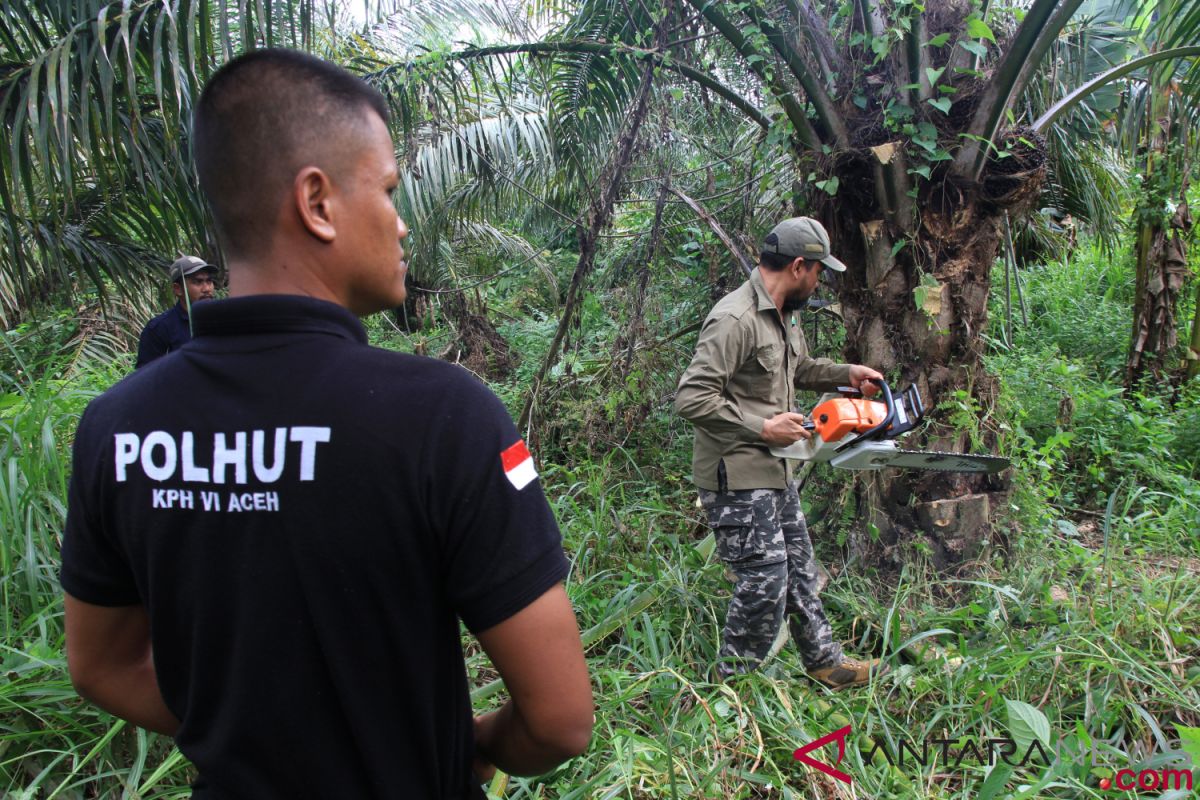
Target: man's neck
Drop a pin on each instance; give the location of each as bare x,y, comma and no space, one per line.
275,274
773,282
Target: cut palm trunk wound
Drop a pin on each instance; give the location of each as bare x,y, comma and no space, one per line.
851,432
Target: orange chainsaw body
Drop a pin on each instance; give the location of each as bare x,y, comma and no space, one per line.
837,417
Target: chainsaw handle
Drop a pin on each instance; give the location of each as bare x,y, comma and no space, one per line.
888,418
880,382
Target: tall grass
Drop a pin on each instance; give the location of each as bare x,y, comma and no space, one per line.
1108,667
53,745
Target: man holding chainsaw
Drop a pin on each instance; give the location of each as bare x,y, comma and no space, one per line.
739,392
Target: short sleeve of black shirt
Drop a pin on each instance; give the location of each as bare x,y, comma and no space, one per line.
501,547
94,569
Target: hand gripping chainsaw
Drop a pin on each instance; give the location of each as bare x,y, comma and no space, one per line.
851,432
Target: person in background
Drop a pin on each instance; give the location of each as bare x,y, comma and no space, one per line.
274,535
192,280
740,394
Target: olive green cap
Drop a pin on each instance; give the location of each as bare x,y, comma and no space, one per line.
802,237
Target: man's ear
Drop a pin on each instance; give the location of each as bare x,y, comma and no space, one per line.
177,289
312,192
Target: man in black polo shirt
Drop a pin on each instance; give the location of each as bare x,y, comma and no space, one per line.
192,280
273,535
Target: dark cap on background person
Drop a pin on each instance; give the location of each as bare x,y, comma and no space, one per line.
188,265
802,237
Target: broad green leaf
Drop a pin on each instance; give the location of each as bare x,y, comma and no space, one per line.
974,48
1067,528
928,144
1027,724
939,40
1189,742
978,29
934,74
996,781
942,104
919,295
828,186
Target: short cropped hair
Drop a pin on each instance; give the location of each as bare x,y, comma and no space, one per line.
263,117
775,261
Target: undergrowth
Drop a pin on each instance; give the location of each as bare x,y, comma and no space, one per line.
1084,639
1088,452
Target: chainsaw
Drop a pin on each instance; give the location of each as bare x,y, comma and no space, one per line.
851,432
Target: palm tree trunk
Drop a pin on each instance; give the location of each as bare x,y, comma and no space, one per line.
1162,268
916,313
1193,355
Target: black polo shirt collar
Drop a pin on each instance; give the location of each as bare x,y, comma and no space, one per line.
275,313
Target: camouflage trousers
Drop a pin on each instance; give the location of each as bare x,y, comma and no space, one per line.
762,538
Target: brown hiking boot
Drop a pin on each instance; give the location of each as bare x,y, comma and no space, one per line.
850,672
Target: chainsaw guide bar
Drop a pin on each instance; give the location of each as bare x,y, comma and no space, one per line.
852,432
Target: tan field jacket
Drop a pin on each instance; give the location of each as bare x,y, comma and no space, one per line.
747,364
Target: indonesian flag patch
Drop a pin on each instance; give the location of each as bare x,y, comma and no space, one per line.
518,465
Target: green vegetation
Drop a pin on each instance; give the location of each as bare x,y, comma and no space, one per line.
1089,613
921,133
1132,459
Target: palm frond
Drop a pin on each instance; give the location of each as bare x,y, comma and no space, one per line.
1091,184
487,240
1117,72
96,97
490,150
